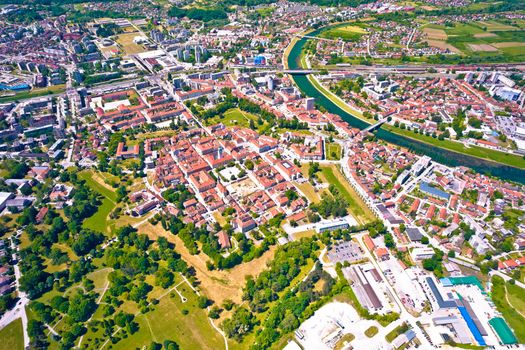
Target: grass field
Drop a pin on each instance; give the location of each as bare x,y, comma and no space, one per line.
511,313
370,332
309,191
127,44
333,151
50,90
345,339
234,117
100,220
345,32
480,152
395,332
356,206
516,296
167,321
12,336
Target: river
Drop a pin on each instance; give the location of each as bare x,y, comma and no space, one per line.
440,155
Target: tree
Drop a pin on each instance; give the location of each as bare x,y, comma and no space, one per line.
240,324
202,302
214,312
81,307
424,240
170,345
164,277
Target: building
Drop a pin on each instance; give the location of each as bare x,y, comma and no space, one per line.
309,103
332,225
422,253
4,197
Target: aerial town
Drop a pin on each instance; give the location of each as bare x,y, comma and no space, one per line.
319,175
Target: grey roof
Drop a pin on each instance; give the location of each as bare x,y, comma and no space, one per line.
443,304
414,233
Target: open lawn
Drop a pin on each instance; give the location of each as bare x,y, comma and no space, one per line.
12,336
345,32
309,191
234,117
395,332
345,340
372,331
99,221
127,44
167,322
333,151
303,234
356,206
516,296
511,313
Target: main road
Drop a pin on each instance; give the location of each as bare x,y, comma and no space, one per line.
441,155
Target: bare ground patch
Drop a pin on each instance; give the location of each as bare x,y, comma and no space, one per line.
443,45
217,285
435,34
484,35
482,48
508,44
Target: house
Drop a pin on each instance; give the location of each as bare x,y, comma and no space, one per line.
382,253
202,181
368,242
224,240
41,215
245,223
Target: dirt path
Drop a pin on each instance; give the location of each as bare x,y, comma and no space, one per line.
218,284
508,302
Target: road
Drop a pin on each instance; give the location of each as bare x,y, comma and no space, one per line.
19,311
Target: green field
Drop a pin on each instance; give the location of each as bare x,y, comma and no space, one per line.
395,332
100,220
166,321
511,313
12,336
345,32
489,39
333,151
356,206
50,90
372,331
234,117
